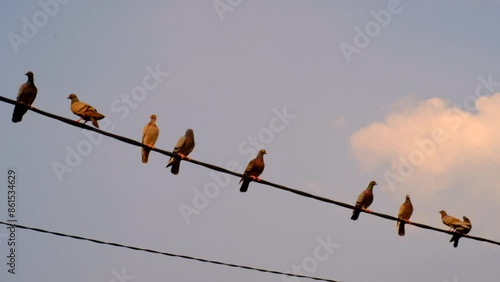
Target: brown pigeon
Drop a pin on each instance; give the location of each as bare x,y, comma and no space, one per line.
184,146
26,95
465,228
85,111
254,168
149,136
365,199
450,221
404,213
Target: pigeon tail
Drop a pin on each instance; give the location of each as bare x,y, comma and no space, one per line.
355,215
401,228
455,239
244,186
18,113
145,155
175,167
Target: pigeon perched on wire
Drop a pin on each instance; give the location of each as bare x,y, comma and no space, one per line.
84,111
450,221
464,228
26,95
365,199
149,136
404,213
184,146
254,168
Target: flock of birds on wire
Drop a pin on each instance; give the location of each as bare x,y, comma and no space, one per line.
185,145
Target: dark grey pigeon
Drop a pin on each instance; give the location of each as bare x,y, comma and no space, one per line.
365,199
184,147
26,95
254,168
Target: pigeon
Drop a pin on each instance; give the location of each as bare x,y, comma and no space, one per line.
184,146
365,199
404,213
26,95
254,168
85,111
463,229
450,221
149,136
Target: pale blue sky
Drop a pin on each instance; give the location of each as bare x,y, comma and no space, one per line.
225,79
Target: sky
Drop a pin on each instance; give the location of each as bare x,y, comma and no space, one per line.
338,93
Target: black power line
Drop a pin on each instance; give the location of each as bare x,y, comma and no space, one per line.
223,170
165,253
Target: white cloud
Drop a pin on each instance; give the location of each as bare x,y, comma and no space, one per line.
432,136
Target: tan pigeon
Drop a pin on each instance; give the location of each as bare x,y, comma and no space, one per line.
184,146
450,221
26,95
149,136
365,199
404,213
465,228
254,168
84,111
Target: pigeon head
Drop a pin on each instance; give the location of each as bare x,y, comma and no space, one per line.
373,183
443,213
263,152
153,116
29,74
407,197
73,97
189,131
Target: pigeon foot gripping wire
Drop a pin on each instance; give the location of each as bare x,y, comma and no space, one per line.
184,157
